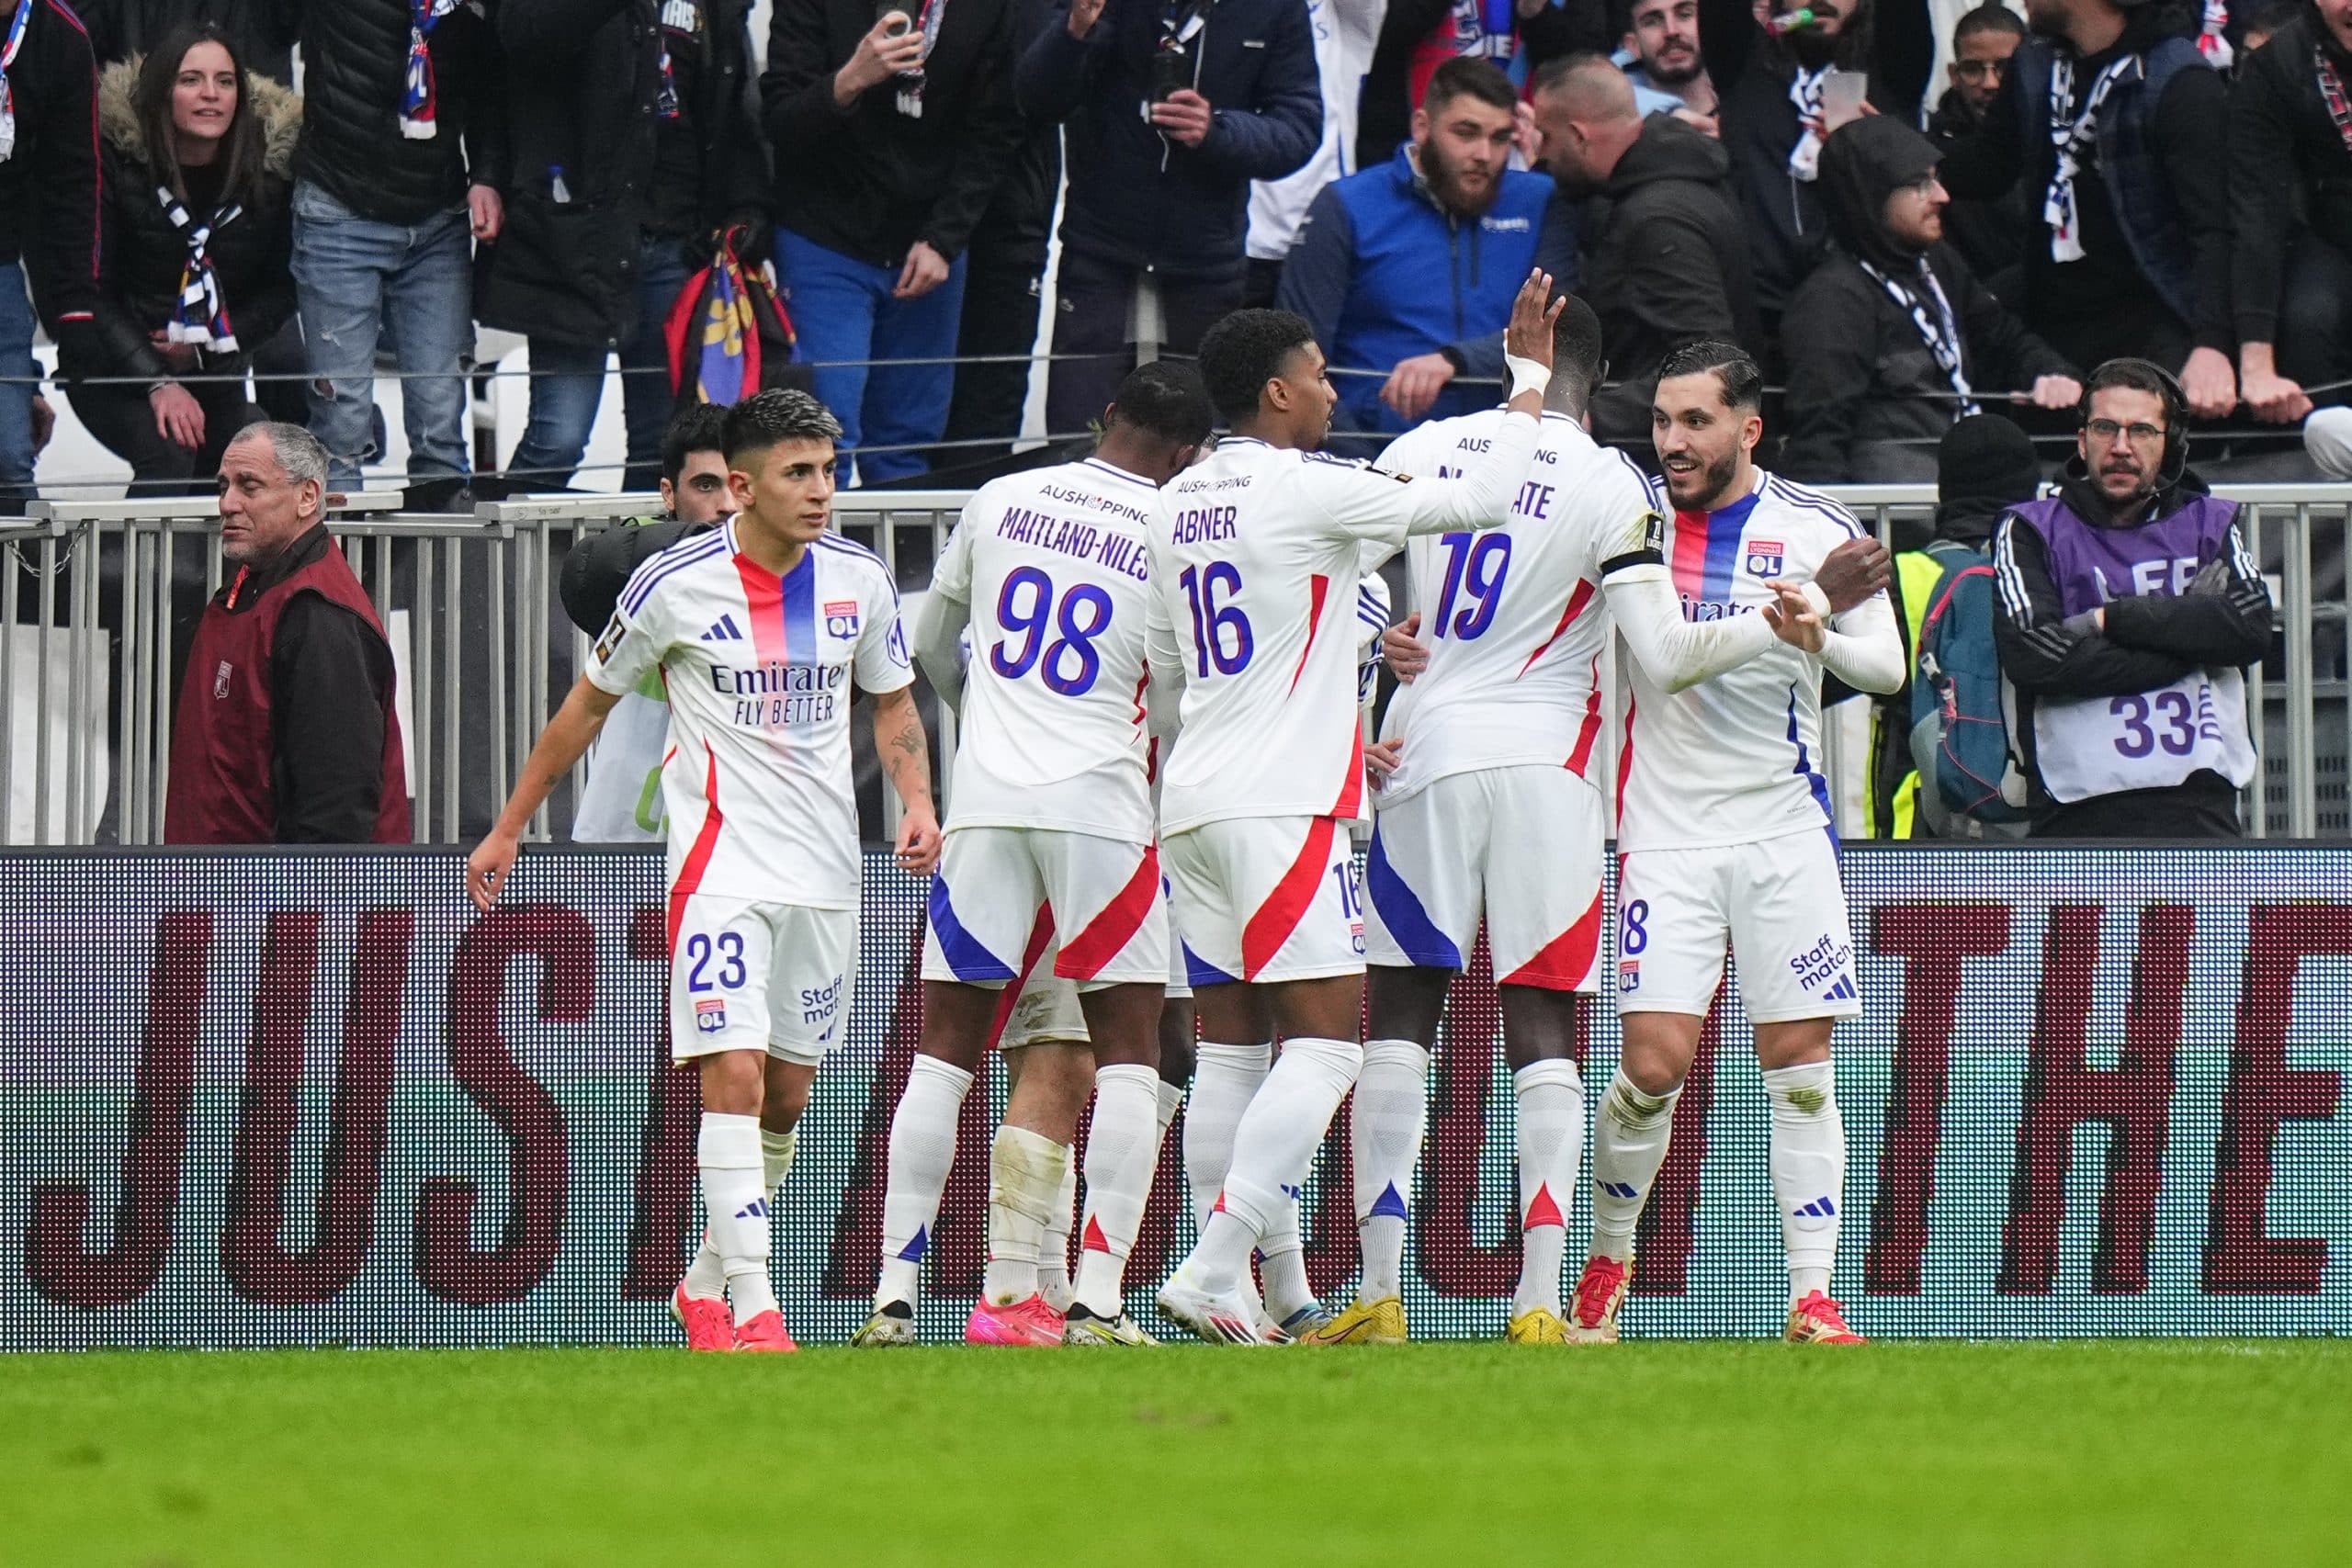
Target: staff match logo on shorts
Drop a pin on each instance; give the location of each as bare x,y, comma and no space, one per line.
711,1015
1629,974
1764,557
841,617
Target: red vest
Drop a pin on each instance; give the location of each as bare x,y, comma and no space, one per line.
223,741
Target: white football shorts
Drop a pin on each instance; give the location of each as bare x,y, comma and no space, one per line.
1264,898
1003,895
1780,905
1519,846
746,974
1046,1008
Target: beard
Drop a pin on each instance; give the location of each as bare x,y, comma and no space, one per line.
1680,75
1701,487
1445,180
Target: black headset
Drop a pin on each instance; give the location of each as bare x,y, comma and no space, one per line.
2176,402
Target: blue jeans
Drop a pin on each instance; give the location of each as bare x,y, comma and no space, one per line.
17,365
568,383
843,310
356,279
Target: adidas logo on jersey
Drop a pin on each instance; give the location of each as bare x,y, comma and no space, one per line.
723,630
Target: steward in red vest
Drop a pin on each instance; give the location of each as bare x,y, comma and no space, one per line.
286,732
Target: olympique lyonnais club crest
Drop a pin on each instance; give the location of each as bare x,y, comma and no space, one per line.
711,1015
841,617
1629,974
1763,558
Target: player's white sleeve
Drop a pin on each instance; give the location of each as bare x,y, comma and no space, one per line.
1374,504
882,662
630,645
939,623
1164,663
1372,619
1677,653
1864,648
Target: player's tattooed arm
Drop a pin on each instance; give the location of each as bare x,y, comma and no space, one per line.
898,740
561,744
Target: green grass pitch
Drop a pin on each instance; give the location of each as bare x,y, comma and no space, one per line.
1430,1455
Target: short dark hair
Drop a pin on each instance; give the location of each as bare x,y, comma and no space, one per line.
1466,75
774,417
1995,18
2140,376
1165,398
1735,371
2272,19
697,427
1243,351
1576,341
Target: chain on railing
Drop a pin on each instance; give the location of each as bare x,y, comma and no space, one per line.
98,598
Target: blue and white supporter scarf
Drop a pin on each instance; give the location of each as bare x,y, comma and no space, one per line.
200,314
8,92
2075,136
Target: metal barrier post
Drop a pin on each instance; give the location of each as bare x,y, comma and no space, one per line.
2303,804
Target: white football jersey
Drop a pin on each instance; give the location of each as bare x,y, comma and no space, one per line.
1257,557
1514,617
1737,760
1054,564
757,671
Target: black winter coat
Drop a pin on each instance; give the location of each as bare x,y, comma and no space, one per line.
1665,261
1988,232
1139,199
263,33
354,55
1867,400
49,190
2289,167
581,95
868,181
142,254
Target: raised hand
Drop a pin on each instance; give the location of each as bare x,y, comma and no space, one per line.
1853,571
1529,335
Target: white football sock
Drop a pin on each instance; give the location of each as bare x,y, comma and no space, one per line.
1053,1247
1224,1079
1551,1139
1629,1132
728,1153
1024,1178
1392,1105
706,1275
1274,1148
1808,1170
1122,1155
1282,1265
1172,1098
923,1150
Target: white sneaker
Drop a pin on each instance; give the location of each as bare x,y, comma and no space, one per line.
1221,1319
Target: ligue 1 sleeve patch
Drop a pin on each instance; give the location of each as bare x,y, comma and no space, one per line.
609,644
1654,531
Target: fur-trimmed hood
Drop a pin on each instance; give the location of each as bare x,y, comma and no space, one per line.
279,109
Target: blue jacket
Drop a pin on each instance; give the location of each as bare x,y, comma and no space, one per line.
1138,198
1383,274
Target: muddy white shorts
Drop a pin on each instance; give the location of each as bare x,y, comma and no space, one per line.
747,976
1779,906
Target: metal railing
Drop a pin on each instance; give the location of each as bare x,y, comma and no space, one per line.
98,598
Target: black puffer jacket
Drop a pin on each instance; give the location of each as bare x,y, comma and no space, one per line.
1666,261
1868,403
142,254
49,190
354,56
263,33
1989,232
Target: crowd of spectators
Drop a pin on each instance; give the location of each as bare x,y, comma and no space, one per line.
2159,178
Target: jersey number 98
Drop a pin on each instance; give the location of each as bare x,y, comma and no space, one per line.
1025,609
1212,624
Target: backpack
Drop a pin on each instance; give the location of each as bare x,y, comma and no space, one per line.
1970,786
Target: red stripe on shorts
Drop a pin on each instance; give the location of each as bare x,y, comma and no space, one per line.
1286,904
1108,933
1565,962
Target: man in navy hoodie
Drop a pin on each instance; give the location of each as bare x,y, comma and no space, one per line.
1174,105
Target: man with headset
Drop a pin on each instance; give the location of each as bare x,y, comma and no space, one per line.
2129,607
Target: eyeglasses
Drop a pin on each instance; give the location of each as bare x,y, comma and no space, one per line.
1974,70
2106,429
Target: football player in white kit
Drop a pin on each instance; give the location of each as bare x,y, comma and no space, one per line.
1491,809
1725,833
759,627
1051,860
1256,553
